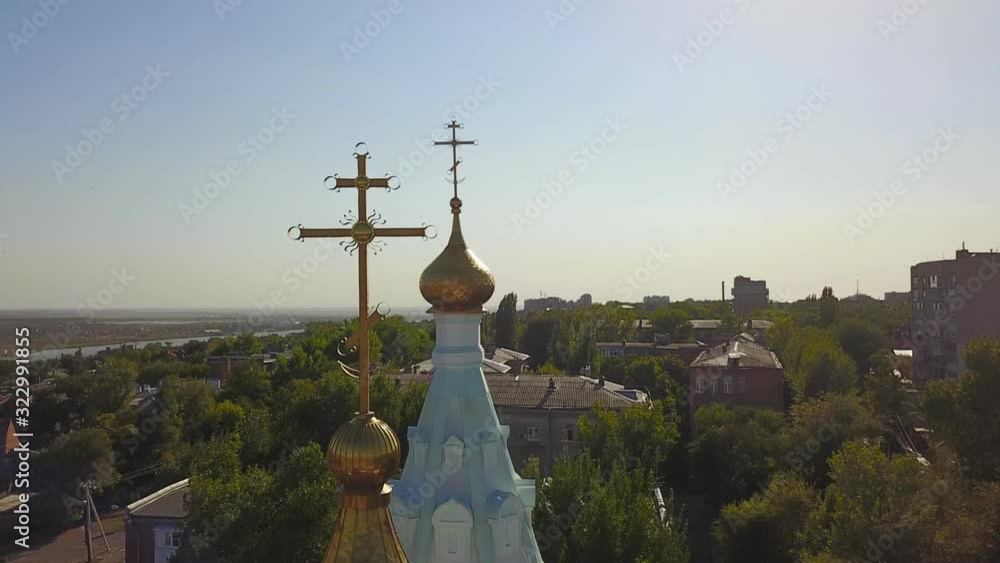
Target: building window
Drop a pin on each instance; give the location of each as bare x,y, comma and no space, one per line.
727,385
916,281
741,384
715,385
934,281
532,433
699,384
567,433
171,539
938,305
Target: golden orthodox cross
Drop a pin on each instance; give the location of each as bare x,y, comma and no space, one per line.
362,232
454,142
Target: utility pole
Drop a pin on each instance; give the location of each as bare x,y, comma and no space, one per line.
100,525
86,525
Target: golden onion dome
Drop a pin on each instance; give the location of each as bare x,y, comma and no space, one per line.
457,281
364,453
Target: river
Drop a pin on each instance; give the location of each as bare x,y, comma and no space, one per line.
92,350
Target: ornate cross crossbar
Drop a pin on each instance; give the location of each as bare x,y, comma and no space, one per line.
362,231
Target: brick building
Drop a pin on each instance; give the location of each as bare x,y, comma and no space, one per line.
739,372
953,302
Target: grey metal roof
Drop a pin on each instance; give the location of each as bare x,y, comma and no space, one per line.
168,502
532,391
502,355
671,346
750,355
489,366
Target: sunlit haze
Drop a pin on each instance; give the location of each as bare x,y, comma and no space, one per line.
642,110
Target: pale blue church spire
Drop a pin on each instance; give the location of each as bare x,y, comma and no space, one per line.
459,499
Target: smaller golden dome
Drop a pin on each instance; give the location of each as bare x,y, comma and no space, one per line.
364,453
457,280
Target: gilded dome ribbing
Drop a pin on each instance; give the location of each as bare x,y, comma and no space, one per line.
457,280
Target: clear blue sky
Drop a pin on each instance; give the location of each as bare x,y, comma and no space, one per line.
555,84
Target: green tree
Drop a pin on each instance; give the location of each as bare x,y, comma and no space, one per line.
113,386
736,450
828,305
823,366
225,417
862,341
672,320
311,411
190,404
584,515
639,436
969,525
75,458
155,372
403,343
538,339
820,427
646,373
875,508
248,343
227,504
249,384
780,335
506,320
964,411
766,527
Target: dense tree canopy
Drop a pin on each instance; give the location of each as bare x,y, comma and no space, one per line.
965,411
735,451
584,514
766,527
875,506
640,436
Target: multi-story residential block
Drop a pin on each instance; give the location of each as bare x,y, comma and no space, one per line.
540,304
953,302
749,296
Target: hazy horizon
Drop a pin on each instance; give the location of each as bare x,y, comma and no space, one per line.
178,87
